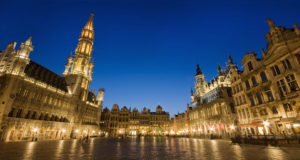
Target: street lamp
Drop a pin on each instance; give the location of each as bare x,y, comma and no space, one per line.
232,127
34,130
266,123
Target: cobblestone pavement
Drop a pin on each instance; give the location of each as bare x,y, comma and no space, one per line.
143,148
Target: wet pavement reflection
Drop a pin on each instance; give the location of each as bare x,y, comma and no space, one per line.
143,148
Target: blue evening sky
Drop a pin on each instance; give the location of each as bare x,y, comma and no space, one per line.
145,51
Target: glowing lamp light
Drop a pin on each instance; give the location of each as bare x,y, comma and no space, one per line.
266,123
232,127
172,132
34,130
63,130
296,125
76,131
93,131
212,129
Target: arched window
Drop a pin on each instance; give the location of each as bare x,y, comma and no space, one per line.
263,77
274,110
19,113
11,113
33,115
41,116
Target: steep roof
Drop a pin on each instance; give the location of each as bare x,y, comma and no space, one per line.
40,73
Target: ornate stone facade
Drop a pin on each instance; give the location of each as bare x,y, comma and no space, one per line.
212,111
37,103
180,123
266,92
126,122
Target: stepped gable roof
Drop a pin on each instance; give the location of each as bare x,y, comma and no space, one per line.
40,73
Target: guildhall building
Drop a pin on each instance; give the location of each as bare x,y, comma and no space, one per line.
38,104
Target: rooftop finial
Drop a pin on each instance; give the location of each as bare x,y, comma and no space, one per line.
230,60
219,68
270,23
297,30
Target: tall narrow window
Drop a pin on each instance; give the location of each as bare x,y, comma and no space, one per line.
263,77
269,94
250,67
251,100
292,82
281,87
247,84
254,81
275,70
274,110
19,113
286,64
259,98
287,107
11,113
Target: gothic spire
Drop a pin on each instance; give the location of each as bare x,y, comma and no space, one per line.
219,69
198,71
90,23
86,39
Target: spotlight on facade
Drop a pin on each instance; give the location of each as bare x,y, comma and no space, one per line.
63,130
76,131
172,132
296,125
212,129
84,131
34,130
232,127
93,132
266,123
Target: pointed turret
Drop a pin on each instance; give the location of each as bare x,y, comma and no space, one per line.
219,69
29,41
270,23
26,48
198,71
297,30
230,60
78,75
86,39
88,29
